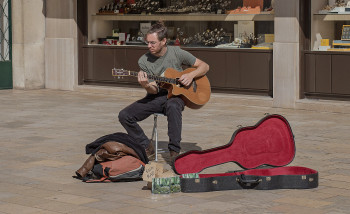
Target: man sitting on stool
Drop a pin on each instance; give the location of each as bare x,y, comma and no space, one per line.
155,62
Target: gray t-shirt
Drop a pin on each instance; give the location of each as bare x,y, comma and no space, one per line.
173,58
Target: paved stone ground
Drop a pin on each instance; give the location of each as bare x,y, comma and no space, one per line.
44,133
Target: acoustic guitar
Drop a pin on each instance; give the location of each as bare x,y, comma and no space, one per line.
195,95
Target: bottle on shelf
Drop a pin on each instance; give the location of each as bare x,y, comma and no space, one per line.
116,9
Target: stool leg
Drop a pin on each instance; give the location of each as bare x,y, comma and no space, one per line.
156,133
154,127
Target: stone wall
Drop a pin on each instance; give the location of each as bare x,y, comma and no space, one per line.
286,56
28,24
61,54
44,44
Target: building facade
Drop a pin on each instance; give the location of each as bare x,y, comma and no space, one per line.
48,50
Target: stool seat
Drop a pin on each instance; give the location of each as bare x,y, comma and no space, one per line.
155,133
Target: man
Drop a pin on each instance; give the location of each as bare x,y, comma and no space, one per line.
155,62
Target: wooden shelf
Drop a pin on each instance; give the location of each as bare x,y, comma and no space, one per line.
333,17
187,17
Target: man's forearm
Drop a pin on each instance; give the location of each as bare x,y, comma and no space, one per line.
151,88
201,69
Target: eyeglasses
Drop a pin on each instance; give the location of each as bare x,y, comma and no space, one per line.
152,43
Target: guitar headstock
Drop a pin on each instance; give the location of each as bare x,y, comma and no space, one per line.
120,72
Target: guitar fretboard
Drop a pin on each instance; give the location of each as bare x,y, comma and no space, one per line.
156,78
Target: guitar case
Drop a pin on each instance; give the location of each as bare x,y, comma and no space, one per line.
263,151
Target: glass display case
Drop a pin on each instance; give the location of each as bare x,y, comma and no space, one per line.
326,61
329,25
228,35
192,23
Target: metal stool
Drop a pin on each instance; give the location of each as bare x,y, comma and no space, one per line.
155,133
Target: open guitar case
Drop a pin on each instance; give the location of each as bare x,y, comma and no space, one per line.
263,151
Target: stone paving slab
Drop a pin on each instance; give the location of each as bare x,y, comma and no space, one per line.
44,133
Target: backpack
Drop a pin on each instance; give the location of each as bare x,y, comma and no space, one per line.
126,168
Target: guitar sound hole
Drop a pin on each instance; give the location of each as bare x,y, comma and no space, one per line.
178,83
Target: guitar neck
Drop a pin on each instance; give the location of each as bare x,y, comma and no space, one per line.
155,78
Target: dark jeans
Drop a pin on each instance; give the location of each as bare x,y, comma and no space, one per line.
154,103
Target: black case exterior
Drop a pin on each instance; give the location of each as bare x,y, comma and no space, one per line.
257,182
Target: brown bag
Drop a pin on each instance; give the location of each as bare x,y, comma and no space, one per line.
126,168
109,151
114,150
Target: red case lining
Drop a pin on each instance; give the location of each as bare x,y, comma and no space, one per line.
269,142
288,170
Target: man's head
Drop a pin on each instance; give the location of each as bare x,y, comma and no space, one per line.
160,29
156,39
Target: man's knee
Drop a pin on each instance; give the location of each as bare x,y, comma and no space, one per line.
175,104
123,116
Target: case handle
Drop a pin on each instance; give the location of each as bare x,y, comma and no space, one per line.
248,183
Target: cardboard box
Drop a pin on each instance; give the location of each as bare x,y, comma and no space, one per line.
144,27
324,42
254,3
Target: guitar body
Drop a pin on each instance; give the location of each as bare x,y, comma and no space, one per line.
195,95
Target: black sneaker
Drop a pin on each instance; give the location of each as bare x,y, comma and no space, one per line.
173,154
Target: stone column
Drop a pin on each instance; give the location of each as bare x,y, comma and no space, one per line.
61,46
286,60
28,24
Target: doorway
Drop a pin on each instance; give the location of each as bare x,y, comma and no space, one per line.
5,45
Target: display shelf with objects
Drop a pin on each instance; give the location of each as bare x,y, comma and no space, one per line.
333,17
213,30
329,25
186,17
326,60
243,23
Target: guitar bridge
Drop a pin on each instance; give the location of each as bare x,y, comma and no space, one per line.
194,86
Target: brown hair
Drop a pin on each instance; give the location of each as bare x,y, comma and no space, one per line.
160,29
